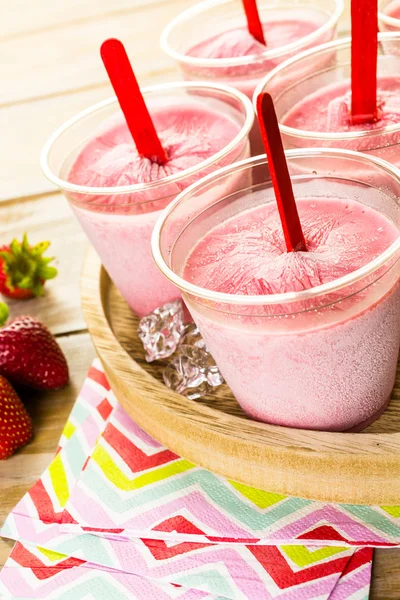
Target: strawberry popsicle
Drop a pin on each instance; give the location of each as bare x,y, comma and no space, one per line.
239,43
328,109
119,225
315,110
212,40
333,369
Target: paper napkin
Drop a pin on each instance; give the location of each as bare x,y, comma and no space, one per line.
247,571
132,486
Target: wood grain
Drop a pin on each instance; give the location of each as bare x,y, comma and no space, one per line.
29,71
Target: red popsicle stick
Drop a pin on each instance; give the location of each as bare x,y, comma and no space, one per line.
364,59
253,20
272,141
131,101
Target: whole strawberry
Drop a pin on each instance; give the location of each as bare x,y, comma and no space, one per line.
15,424
24,269
30,355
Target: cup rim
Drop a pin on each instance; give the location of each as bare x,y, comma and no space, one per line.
388,19
193,11
324,135
139,187
287,297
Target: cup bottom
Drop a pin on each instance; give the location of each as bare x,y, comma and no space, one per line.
364,424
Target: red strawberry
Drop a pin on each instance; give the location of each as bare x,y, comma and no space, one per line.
15,424
30,355
24,269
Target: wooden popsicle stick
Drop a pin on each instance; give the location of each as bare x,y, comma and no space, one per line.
131,101
364,60
281,181
254,24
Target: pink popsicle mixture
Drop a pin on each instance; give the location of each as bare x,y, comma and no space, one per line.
279,31
120,226
393,9
331,368
328,109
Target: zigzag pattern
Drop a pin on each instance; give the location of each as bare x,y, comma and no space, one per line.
216,570
134,484
28,575
225,569
37,573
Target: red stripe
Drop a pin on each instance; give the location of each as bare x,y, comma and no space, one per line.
99,376
104,408
178,524
132,455
277,567
43,504
359,558
41,571
161,551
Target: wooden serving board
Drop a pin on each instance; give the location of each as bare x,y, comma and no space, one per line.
357,468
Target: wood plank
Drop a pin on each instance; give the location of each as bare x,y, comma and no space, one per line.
26,127
20,18
50,218
386,575
49,412
29,71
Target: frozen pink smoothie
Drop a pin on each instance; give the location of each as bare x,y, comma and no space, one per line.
328,109
238,42
390,9
120,225
329,366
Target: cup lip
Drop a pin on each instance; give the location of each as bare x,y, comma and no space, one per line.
287,297
139,187
193,11
388,20
324,135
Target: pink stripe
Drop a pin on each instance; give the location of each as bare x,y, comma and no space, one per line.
123,419
352,583
328,515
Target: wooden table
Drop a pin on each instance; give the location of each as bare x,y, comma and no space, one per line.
50,69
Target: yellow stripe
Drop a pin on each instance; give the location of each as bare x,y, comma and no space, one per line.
59,480
257,497
51,555
69,429
302,557
120,480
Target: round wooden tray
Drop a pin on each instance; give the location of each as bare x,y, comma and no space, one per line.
357,468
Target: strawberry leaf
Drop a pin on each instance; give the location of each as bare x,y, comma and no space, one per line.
3,313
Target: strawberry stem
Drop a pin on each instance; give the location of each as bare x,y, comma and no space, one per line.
25,267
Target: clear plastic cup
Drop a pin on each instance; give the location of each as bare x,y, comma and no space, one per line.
212,17
320,358
119,220
294,80
389,15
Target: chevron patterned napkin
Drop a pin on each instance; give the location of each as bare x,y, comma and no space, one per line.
134,487
212,570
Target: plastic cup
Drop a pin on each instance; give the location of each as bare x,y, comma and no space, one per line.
294,80
119,220
322,358
212,17
389,15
